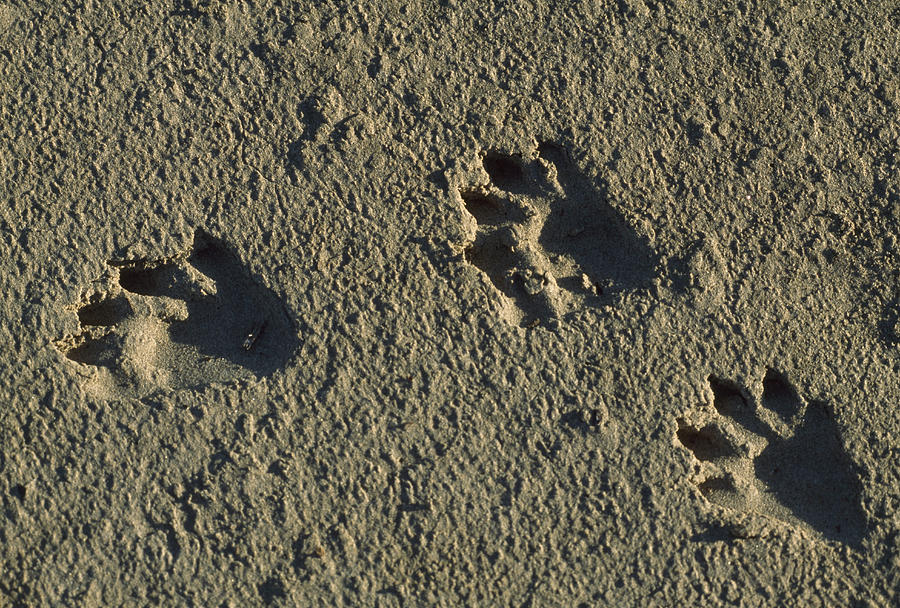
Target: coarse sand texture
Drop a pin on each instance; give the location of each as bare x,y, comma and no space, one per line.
317,303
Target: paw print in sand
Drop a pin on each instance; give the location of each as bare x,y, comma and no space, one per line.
547,238
782,458
176,323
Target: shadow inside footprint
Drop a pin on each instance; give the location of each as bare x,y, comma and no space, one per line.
181,322
707,443
585,227
802,473
499,262
780,397
812,475
147,280
243,322
505,171
548,239
104,313
100,352
486,210
729,400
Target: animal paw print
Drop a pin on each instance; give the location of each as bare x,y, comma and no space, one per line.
182,322
782,458
547,239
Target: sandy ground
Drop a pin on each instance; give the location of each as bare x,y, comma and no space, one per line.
449,303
